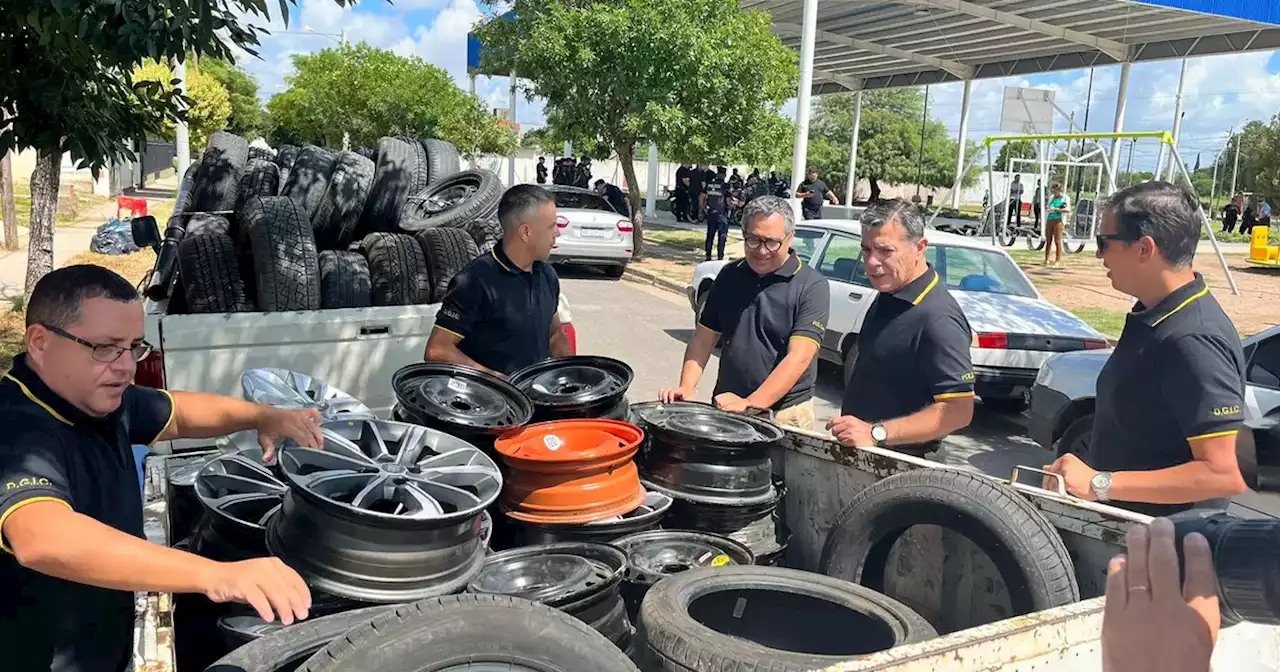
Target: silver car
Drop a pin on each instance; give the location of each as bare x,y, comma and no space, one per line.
591,231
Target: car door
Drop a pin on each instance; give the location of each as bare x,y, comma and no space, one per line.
1262,393
851,293
807,243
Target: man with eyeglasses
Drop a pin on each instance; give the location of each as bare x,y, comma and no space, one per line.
72,548
1171,396
769,312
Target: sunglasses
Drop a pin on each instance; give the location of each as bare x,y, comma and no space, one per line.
1102,238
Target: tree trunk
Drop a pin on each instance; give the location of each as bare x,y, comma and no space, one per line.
44,208
10,207
626,156
875,190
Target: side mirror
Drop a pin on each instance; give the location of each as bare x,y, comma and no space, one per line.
146,232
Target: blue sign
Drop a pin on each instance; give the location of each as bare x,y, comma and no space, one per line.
474,51
1262,11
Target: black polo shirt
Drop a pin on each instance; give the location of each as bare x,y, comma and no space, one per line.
1177,374
502,313
812,204
52,451
757,316
717,194
913,350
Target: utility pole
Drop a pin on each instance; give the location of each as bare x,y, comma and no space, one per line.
1213,186
1235,170
924,122
1088,100
1128,168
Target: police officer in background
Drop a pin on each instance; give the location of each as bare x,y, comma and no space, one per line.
542,170
715,203
1171,396
912,381
500,312
768,312
813,192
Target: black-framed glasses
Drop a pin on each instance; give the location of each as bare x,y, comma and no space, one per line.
756,242
104,352
1103,238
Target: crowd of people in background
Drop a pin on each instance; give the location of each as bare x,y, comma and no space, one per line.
1248,213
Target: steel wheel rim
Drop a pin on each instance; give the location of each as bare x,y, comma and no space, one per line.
690,421
460,396
239,488
283,388
565,574
574,381
394,471
654,555
450,194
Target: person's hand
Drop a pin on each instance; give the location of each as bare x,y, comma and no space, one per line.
1077,475
670,394
851,431
730,402
277,424
266,584
1149,622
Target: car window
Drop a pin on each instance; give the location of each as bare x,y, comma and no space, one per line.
806,243
842,260
974,270
581,201
1264,364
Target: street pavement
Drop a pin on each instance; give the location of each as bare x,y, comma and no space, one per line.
648,328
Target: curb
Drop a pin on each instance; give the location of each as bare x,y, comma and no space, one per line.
654,279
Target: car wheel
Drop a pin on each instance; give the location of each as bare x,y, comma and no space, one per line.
850,358
1006,404
615,271
1075,439
702,304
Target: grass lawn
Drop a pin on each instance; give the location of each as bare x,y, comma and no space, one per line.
1109,322
69,210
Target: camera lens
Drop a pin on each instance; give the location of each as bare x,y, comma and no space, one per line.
1244,559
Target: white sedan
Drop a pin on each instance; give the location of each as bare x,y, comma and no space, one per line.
1015,329
591,231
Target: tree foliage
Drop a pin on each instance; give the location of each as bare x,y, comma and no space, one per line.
247,117
1259,160
369,93
210,102
700,77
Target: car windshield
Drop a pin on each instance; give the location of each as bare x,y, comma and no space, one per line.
973,270
578,200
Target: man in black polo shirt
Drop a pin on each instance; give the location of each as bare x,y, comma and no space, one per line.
813,192
542,170
72,548
615,196
1171,396
769,311
912,381
715,202
500,312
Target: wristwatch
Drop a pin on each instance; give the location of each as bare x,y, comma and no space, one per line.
879,434
1101,485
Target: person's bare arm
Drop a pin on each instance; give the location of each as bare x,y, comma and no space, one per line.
942,417
696,356
831,196
1214,473
800,353
442,346
560,346
206,416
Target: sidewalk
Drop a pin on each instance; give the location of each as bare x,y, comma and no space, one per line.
68,241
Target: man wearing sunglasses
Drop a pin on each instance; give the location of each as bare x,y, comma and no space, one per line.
72,548
769,312
1171,396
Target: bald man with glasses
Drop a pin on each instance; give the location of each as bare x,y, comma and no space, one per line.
768,311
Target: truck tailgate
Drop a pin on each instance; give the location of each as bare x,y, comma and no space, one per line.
354,349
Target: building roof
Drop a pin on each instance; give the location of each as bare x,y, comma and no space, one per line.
875,45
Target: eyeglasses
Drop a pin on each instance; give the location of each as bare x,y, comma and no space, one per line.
770,244
1102,238
105,352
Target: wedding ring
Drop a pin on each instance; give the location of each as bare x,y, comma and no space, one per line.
1134,588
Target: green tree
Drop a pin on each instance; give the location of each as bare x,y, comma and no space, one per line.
888,141
210,103
697,76
1018,149
368,93
1259,159
246,111
66,82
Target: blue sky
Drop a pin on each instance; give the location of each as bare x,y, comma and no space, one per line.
1221,91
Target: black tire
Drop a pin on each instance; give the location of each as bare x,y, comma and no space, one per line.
486,232
1024,547
850,358
367,152
260,178
344,280
442,160
1005,404
1075,438
339,211
262,154
421,175
615,271
394,174
474,195
210,273
309,178
283,246
454,630
398,269
285,156
186,189
200,224
685,621
284,649
448,251
218,179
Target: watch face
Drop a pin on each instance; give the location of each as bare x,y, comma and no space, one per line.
879,433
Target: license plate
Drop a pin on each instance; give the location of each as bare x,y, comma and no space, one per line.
593,233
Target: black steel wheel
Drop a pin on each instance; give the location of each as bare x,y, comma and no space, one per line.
580,579
646,517
694,423
759,527
460,400
240,494
655,555
387,512
582,386
283,388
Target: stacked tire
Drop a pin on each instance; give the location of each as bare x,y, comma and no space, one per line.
307,228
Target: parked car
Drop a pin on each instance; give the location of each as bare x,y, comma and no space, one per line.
1014,328
1062,403
591,231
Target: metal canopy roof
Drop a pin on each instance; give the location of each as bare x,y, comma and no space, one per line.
878,44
